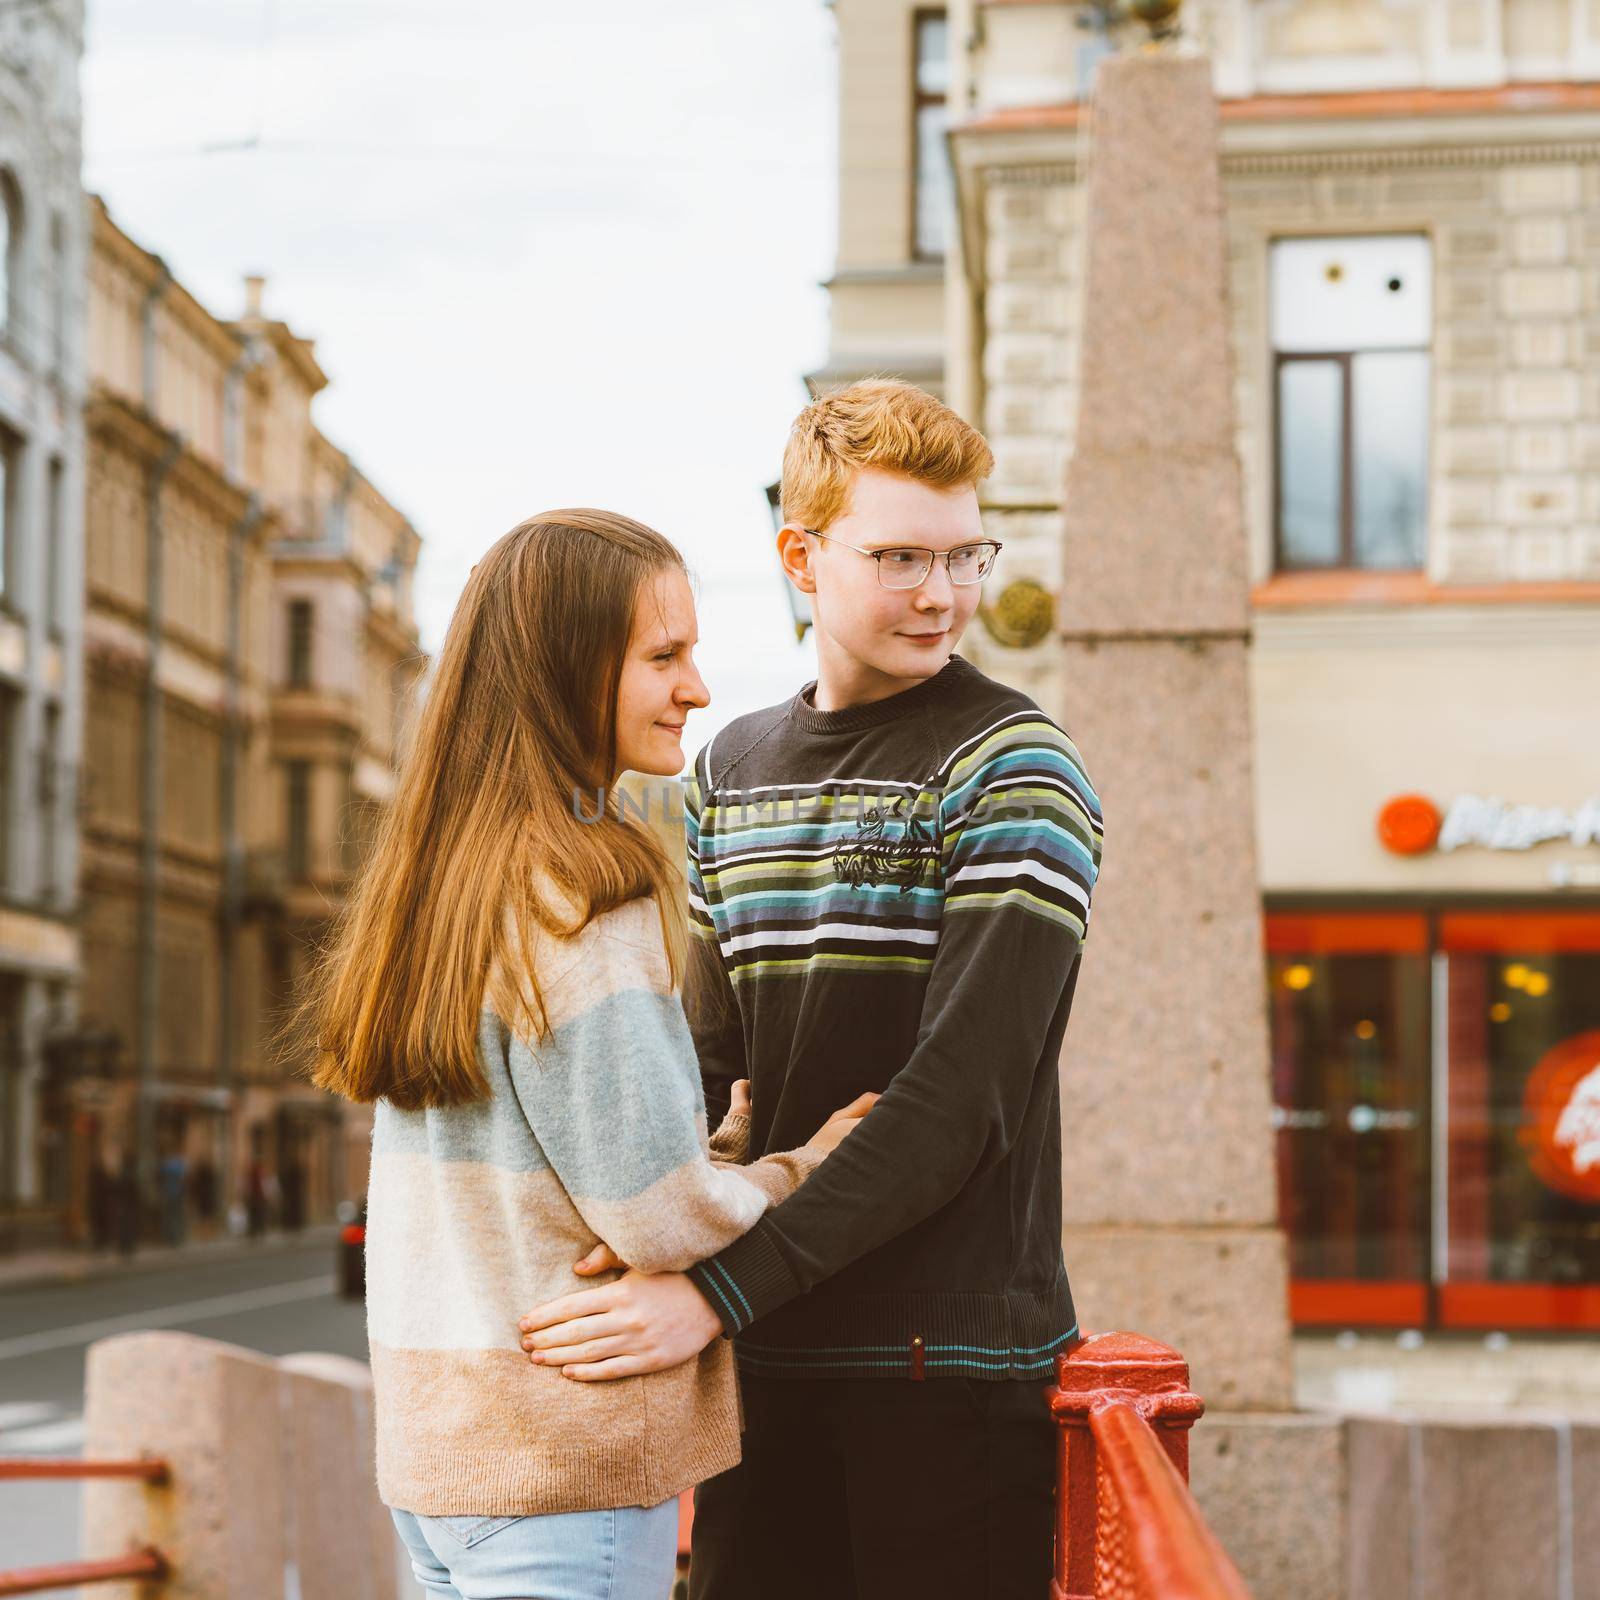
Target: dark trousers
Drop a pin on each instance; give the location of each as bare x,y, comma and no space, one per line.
882,1489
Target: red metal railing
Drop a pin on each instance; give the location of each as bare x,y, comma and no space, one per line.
1127,1526
1127,1529
148,1563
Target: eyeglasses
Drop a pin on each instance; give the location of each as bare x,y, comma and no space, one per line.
904,566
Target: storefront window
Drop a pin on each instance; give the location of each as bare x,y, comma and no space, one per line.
1436,1087
1523,1235
1349,1012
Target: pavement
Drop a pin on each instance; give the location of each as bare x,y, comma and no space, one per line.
33,1269
1449,1374
277,1295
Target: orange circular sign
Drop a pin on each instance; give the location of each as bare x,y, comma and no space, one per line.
1562,1130
1409,824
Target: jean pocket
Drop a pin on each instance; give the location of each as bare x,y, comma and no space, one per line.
468,1531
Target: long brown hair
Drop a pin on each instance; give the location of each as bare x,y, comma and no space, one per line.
502,822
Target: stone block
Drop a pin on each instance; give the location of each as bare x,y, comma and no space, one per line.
1586,553
214,1412
1467,451
1218,1295
1545,186
1584,1454
1540,557
1478,242
1541,448
1023,357
1539,241
1540,291
1435,189
1543,499
1272,1488
1477,555
1378,1515
1540,396
1467,502
1029,307
1465,293
1485,1497
1539,344
1466,399
1471,344
341,1537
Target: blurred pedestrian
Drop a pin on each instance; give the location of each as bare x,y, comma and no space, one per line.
125,1204
174,1198
203,1192
102,1203
294,1195
255,1198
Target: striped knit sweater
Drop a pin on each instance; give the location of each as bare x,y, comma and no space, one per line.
894,897
476,1213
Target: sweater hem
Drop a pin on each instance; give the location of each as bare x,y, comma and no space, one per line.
913,1334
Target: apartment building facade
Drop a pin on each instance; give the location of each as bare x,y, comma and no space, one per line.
42,274
1413,206
233,737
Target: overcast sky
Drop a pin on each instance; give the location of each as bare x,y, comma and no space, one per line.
550,254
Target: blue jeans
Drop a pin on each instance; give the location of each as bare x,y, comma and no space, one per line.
626,1554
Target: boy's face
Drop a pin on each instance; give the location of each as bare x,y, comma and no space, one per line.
900,633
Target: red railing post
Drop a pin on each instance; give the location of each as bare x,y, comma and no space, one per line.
1103,1370
146,1563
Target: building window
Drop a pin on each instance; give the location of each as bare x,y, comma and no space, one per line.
58,293
299,818
301,619
8,517
10,245
1348,1003
49,803
8,780
52,554
931,197
1351,320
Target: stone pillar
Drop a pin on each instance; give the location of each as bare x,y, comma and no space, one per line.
213,1412
341,1537
1171,1209
272,1489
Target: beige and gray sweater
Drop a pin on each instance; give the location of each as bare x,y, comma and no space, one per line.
476,1213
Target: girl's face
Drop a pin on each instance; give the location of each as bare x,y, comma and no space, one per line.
659,679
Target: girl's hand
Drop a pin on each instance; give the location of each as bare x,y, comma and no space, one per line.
844,1121
739,1103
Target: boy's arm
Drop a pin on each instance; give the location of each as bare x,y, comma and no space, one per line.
1022,843
708,998
612,1097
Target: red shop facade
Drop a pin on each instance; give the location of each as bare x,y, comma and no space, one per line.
1436,1089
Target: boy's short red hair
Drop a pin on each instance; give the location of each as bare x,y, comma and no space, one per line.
882,423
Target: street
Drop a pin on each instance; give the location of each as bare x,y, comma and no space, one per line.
279,1303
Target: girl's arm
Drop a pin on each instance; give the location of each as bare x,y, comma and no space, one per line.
614,1098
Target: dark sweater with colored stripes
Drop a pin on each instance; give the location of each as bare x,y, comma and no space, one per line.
893,897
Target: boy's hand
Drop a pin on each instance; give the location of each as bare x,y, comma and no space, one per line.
644,1322
739,1100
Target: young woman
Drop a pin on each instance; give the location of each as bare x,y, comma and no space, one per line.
503,984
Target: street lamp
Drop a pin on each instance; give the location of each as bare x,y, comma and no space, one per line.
799,604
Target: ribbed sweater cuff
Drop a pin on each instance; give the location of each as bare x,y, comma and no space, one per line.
745,1281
